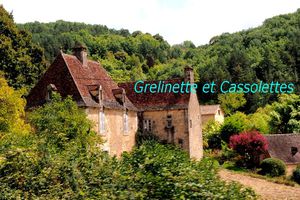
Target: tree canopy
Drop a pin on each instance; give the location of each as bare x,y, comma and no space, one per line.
21,60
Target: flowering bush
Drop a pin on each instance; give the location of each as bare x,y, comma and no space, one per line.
250,145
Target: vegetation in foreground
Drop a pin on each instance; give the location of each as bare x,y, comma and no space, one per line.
59,158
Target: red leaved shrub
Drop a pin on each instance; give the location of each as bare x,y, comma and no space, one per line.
250,145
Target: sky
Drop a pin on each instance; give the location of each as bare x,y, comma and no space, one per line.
175,20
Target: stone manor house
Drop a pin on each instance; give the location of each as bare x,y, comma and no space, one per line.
116,110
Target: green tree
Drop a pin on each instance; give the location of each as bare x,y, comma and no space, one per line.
21,60
11,110
260,120
231,102
285,114
61,122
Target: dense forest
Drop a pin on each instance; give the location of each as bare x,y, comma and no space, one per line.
270,52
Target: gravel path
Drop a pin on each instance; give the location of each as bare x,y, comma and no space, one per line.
265,189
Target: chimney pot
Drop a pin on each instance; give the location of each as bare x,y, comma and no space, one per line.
189,74
80,52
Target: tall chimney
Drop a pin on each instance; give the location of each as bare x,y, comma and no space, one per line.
189,74
80,52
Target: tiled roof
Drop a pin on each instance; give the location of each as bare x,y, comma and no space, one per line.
279,146
209,109
80,82
91,75
156,101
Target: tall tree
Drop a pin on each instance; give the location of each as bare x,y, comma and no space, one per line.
21,60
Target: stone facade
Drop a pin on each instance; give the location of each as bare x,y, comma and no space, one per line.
116,138
169,125
174,118
181,127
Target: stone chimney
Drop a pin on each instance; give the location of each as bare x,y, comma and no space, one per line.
189,74
80,52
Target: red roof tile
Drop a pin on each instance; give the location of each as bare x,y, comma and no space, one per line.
156,101
83,79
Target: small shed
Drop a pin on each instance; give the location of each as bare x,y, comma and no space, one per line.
211,112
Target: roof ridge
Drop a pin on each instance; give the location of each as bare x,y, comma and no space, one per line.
90,60
152,80
63,54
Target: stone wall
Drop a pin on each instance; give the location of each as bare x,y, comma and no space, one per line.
177,133
216,117
207,118
195,128
116,140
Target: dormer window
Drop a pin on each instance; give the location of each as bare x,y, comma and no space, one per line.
294,150
119,95
96,92
50,89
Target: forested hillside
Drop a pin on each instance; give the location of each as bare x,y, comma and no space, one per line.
270,52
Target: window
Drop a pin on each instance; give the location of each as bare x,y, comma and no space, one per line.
147,125
169,121
219,112
180,142
101,122
191,123
294,150
50,89
125,120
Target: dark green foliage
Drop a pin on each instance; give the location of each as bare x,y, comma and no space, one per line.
214,141
296,175
141,137
273,167
21,60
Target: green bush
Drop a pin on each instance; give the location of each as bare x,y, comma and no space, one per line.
61,122
273,167
234,124
296,175
142,136
152,171
156,171
211,135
